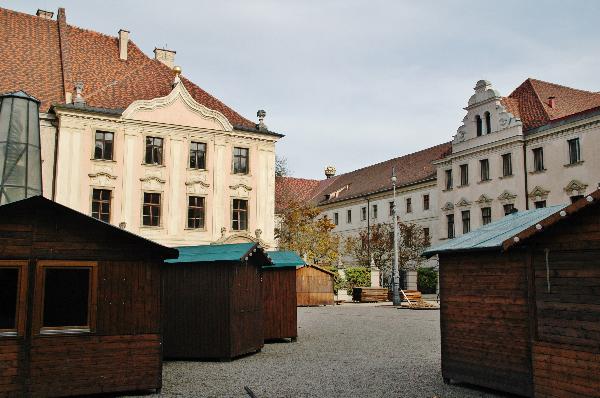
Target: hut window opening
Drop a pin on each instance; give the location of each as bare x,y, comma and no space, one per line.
103,148
574,151
466,221
508,208
9,299
240,160
479,124
154,150
151,210
507,165
196,212
486,215
67,297
198,155
450,223
101,204
239,219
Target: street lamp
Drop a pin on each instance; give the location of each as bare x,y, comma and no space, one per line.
395,271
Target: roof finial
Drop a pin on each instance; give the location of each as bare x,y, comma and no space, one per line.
261,117
177,72
79,101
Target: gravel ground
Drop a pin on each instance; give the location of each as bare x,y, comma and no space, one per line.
352,350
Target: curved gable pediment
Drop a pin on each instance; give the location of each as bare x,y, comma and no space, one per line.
178,108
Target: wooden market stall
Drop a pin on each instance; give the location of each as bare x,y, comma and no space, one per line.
279,289
213,301
79,304
314,286
520,303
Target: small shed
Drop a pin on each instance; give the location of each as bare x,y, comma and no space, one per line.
213,301
520,302
279,289
314,286
79,304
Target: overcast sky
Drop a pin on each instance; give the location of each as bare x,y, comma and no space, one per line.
352,83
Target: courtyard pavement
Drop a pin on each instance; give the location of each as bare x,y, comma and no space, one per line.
351,350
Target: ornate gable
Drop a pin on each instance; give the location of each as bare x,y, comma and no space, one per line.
483,200
538,193
177,108
507,197
448,206
575,187
463,203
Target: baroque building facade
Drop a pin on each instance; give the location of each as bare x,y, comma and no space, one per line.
127,139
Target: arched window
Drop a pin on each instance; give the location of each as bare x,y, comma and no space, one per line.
488,123
479,125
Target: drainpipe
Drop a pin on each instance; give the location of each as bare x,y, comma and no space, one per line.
56,124
525,170
369,229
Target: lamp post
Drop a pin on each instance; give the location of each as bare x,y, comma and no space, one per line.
395,271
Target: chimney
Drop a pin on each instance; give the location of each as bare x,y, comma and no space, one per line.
44,14
329,171
552,102
165,56
123,41
62,15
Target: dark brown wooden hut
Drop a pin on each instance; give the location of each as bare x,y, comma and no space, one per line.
279,290
213,301
314,286
79,304
520,303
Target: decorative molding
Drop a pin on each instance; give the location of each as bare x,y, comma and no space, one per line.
538,193
102,174
152,178
178,92
575,187
237,186
102,179
448,206
463,203
507,197
483,200
238,237
197,182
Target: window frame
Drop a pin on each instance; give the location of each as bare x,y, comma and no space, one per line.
247,211
39,293
190,155
426,202
21,308
374,211
487,119
160,211
336,218
233,162
504,207
363,213
464,174
187,222
540,204
484,172
484,217
349,216
577,148
162,150
451,230
449,184
535,151
478,125
110,191
112,152
505,163
466,227
391,208
408,205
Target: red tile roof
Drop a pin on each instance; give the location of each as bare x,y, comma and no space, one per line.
296,190
530,101
37,52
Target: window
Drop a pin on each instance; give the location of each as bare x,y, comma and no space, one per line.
448,179
363,213
195,218
103,148
486,215
101,204
409,205
450,223
464,174
68,296
349,217
239,217
197,155
336,218
151,210
574,151
154,150
575,198
479,125
506,165
539,204
427,236
466,221
374,211
508,209
426,202
240,160
488,123
391,208
12,297
538,159
484,167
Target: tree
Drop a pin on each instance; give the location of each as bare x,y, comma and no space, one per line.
412,241
305,232
377,241
281,167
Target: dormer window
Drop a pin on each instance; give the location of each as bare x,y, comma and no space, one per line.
488,123
479,124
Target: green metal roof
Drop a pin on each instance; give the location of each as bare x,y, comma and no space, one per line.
211,253
285,259
494,234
